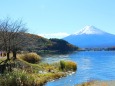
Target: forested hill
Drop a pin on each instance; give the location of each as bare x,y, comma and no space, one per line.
39,44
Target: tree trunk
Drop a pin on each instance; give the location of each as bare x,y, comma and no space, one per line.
8,55
14,54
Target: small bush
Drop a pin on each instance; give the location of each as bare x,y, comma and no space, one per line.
68,65
62,65
31,57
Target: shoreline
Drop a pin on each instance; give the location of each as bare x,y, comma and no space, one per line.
98,83
66,74
38,74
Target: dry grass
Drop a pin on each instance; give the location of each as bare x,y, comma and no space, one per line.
31,57
94,83
25,73
28,74
68,66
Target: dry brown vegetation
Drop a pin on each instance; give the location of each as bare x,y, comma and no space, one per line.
29,74
94,83
30,57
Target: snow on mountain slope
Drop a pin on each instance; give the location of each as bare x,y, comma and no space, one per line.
91,37
90,30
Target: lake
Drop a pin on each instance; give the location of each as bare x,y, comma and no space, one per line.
92,65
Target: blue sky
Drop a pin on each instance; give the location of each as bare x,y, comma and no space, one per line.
57,18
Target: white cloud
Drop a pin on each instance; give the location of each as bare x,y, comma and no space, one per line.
54,35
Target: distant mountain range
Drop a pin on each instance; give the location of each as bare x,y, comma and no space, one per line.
91,37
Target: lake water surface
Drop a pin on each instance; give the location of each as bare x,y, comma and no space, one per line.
92,65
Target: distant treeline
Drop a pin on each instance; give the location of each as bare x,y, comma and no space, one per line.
37,43
111,48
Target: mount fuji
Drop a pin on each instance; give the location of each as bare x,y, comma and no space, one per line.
91,37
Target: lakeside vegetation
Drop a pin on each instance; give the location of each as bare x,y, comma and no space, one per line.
26,73
30,57
97,83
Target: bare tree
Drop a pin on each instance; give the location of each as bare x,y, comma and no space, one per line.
11,36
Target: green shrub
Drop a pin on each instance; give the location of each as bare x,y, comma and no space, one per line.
68,65
62,64
31,57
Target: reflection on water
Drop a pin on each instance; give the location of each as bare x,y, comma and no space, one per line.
86,65
92,65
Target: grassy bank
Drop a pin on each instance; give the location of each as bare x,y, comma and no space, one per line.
27,73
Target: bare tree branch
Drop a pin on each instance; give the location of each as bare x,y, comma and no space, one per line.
10,35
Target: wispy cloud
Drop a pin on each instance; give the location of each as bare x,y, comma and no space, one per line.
54,35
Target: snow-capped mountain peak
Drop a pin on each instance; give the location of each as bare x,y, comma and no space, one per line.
91,37
89,30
